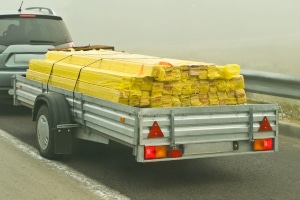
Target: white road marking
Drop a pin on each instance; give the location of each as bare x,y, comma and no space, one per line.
97,188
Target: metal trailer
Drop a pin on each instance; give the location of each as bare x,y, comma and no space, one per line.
154,134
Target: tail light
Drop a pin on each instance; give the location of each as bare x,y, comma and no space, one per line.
263,144
153,152
71,44
156,152
27,15
174,153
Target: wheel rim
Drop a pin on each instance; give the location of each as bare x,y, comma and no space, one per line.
43,132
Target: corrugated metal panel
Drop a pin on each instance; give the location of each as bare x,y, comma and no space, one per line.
210,124
105,117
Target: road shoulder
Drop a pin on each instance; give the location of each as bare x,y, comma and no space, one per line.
26,175
289,129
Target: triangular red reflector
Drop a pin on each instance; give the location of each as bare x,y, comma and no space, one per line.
155,131
265,125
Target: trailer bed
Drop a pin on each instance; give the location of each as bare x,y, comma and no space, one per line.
198,132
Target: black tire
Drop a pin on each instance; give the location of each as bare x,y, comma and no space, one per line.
44,133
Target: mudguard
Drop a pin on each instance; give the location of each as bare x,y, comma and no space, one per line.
60,113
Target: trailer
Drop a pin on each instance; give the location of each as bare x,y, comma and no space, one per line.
153,134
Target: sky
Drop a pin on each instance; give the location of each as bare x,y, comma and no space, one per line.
257,34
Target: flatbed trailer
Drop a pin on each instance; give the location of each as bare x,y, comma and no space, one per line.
153,134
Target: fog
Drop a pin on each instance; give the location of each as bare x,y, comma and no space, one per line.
257,34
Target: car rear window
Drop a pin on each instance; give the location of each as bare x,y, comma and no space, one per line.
33,30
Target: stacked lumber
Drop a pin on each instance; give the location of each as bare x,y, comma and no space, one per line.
140,80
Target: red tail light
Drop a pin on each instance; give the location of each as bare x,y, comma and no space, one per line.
174,153
268,144
150,152
27,16
263,144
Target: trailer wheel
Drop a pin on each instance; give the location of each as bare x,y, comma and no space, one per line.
44,132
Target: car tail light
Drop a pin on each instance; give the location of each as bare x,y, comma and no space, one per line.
155,152
263,144
27,15
71,44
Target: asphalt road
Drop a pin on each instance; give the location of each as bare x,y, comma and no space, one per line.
264,176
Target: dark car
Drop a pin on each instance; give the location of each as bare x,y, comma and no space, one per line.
27,34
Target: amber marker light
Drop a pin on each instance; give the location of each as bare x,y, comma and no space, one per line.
122,119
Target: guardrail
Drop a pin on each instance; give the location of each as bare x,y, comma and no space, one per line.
272,83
